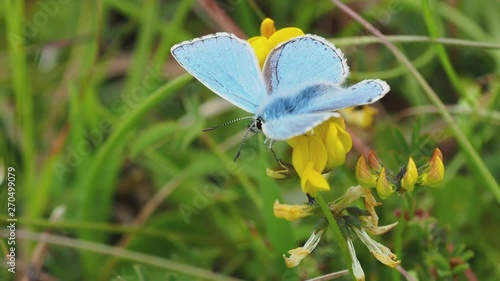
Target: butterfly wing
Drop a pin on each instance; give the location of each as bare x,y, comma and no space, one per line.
290,126
226,65
303,61
294,114
364,92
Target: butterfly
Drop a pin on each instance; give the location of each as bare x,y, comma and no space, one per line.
299,87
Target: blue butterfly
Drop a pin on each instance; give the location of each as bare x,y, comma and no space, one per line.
298,88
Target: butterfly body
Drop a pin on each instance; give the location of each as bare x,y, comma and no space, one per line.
298,88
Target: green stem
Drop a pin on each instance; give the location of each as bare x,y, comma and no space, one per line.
443,56
365,40
127,255
336,231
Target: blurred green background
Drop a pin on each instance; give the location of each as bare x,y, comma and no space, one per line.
104,128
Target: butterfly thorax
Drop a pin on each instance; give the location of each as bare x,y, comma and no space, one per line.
290,104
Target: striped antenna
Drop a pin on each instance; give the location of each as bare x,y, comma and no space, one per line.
227,123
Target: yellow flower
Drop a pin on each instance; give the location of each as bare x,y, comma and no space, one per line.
433,174
410,177
298,254
309,160
360,116
384,188
291,212
270,38
336,139
318,152
357,270
379,251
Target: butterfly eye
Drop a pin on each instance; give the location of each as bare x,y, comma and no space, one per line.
256,126
259,123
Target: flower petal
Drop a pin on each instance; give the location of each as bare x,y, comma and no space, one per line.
291,212
284,35
379,251
262,47
267,27
298,254
308,149
384,188
356,266
410,177
363,174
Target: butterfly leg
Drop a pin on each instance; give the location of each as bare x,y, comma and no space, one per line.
275,156
311,200
269,143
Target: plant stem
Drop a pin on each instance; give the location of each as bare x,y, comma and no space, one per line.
336,231
365,40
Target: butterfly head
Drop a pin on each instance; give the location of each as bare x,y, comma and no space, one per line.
256,125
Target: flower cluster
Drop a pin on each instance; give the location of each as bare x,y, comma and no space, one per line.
324,148
353,222
319,150
372,174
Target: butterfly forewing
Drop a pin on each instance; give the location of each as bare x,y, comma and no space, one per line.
226,65
302,61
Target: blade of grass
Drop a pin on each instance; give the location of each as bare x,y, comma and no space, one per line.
431,24
14,17
474,160
142,49
365,40
398,70
123,254
167,40
90,185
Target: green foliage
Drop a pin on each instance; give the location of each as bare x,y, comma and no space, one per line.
97,117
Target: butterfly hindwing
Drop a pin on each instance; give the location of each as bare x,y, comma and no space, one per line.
289,126
364,92
303,60
226,65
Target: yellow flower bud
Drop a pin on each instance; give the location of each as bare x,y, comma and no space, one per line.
374,162
384,188
434,172
410,177
364,175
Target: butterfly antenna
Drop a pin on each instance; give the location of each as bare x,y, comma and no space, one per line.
227,123
242,144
